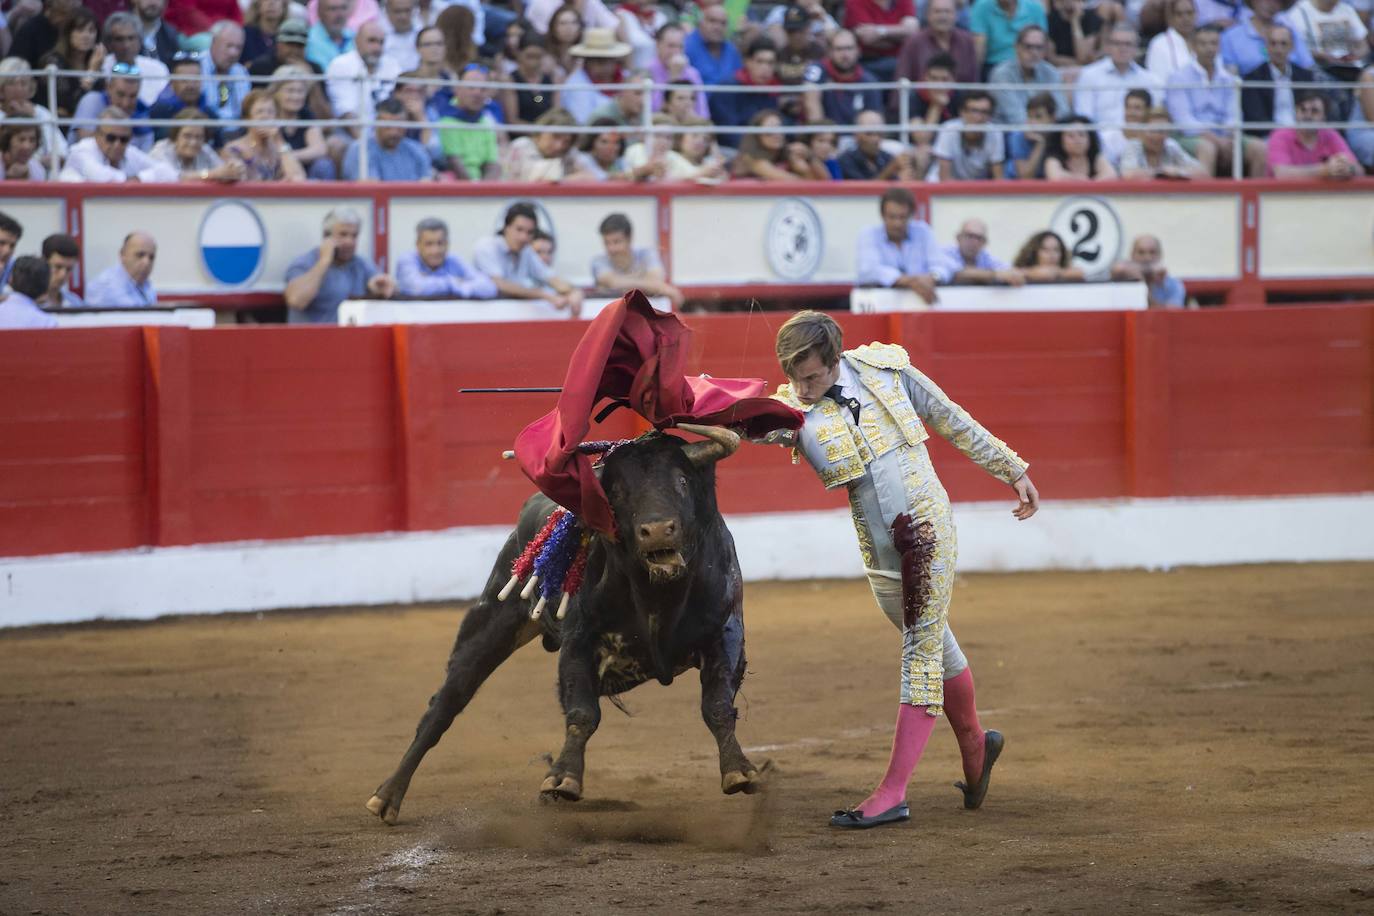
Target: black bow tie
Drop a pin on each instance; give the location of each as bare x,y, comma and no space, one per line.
836,395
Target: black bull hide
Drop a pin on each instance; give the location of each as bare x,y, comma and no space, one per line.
664,597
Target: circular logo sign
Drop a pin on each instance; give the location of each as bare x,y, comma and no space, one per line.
794,240
1091,229
232,243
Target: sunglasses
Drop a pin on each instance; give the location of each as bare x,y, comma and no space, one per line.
116,138
182,56
123,69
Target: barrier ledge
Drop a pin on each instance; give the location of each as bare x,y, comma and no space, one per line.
453,565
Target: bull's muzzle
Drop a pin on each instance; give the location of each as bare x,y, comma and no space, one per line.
660,549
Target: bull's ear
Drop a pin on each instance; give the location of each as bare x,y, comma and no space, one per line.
720,443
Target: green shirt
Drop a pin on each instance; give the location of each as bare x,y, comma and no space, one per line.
473,146
988,19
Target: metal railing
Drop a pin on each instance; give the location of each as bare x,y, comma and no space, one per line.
369,86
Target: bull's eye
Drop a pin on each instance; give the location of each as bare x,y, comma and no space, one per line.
681,483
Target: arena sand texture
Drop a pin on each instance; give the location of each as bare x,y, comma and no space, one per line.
1197,741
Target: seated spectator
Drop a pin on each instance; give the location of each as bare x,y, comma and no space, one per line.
1100,92
19,310
599,57
1172,49
261,150
798,53
183,91
1205,114
431,272
223,96
595,13
1134,113
127,283
1026,149
902,252
1028,68
544,247
1044,259
698,149
1147,266
61,252
841,65
10,234
1076,154
543,156
391,155
624,267
1244,46
867,161
1273,103
970,155
400,27
1155,154
306,141
599,155
940,38
185,156
411,95
972,263
639,25
261,20
1311,152
287,51
473,153
710,51
736,108
626,107
464,28
78,48
805,17
1360,134
18,149
768,156
107,156
932,106
357,80
160,38
330,36
996,23
524,106
564,33
319,280
1075,34
516,270
124,42
681,102
881,27
653,158
1335,35
121,91
824,146
16,101
39,33
433,51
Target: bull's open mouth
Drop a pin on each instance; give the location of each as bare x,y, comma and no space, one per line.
664,565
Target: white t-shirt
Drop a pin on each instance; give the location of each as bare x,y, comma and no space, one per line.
1337,33
595,15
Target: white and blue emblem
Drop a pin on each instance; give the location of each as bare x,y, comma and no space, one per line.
232,243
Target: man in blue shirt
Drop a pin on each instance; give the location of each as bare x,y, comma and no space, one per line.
996,23
223,98
391,155
970,261
320,279
901,253
18,310
711,53
330,36
511,262
1147,266
127,284
1244,45
431,272
61,253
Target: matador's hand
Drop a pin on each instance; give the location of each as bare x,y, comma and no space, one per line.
1028,496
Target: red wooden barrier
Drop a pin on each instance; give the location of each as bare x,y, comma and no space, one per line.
116,438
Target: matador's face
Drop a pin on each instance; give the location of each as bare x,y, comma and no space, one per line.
811,378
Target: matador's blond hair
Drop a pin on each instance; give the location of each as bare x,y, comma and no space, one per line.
808,332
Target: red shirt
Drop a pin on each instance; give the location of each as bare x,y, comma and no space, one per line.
870,12
191,17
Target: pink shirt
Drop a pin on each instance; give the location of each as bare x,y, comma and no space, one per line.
1286,149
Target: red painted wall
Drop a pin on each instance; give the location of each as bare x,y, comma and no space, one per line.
116,438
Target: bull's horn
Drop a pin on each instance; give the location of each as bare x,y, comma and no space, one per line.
721,443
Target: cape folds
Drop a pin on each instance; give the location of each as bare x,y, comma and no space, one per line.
631,351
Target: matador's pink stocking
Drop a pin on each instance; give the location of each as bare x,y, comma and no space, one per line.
909,741
963,718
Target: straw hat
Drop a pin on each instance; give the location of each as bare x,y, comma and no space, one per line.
600,43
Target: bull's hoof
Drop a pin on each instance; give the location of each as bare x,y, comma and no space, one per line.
736,781
561,788
388,812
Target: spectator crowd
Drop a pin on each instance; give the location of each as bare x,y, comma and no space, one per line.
1076,90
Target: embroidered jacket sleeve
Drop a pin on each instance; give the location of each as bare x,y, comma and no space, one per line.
962,431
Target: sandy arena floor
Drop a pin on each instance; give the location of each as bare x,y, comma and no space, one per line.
1199,741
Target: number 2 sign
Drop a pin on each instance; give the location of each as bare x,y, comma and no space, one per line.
1091,230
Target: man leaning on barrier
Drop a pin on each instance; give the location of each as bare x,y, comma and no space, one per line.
128,282
432,272
322,278
901,253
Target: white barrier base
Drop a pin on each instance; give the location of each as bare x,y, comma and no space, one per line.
454,564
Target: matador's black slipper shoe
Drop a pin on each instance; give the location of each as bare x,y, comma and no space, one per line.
992,749
854,820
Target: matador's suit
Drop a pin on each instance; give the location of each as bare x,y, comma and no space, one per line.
898,503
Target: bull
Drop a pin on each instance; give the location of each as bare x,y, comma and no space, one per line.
664,596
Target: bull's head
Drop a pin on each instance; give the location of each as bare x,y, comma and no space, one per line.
660,492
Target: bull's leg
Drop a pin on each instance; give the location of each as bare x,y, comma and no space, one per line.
577,691
722,672
491,631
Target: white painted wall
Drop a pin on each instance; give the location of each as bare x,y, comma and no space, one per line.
454,564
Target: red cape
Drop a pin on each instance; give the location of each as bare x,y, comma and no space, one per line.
631,351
